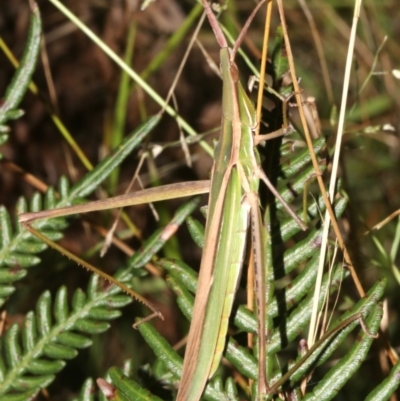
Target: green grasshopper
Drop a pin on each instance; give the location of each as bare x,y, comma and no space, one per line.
233,207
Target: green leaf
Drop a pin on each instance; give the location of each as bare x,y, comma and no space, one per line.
128,390
20,82
87,391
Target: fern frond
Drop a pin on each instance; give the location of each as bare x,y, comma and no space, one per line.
33,354
18,248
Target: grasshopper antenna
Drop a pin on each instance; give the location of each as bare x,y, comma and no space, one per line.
244,30
218,31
